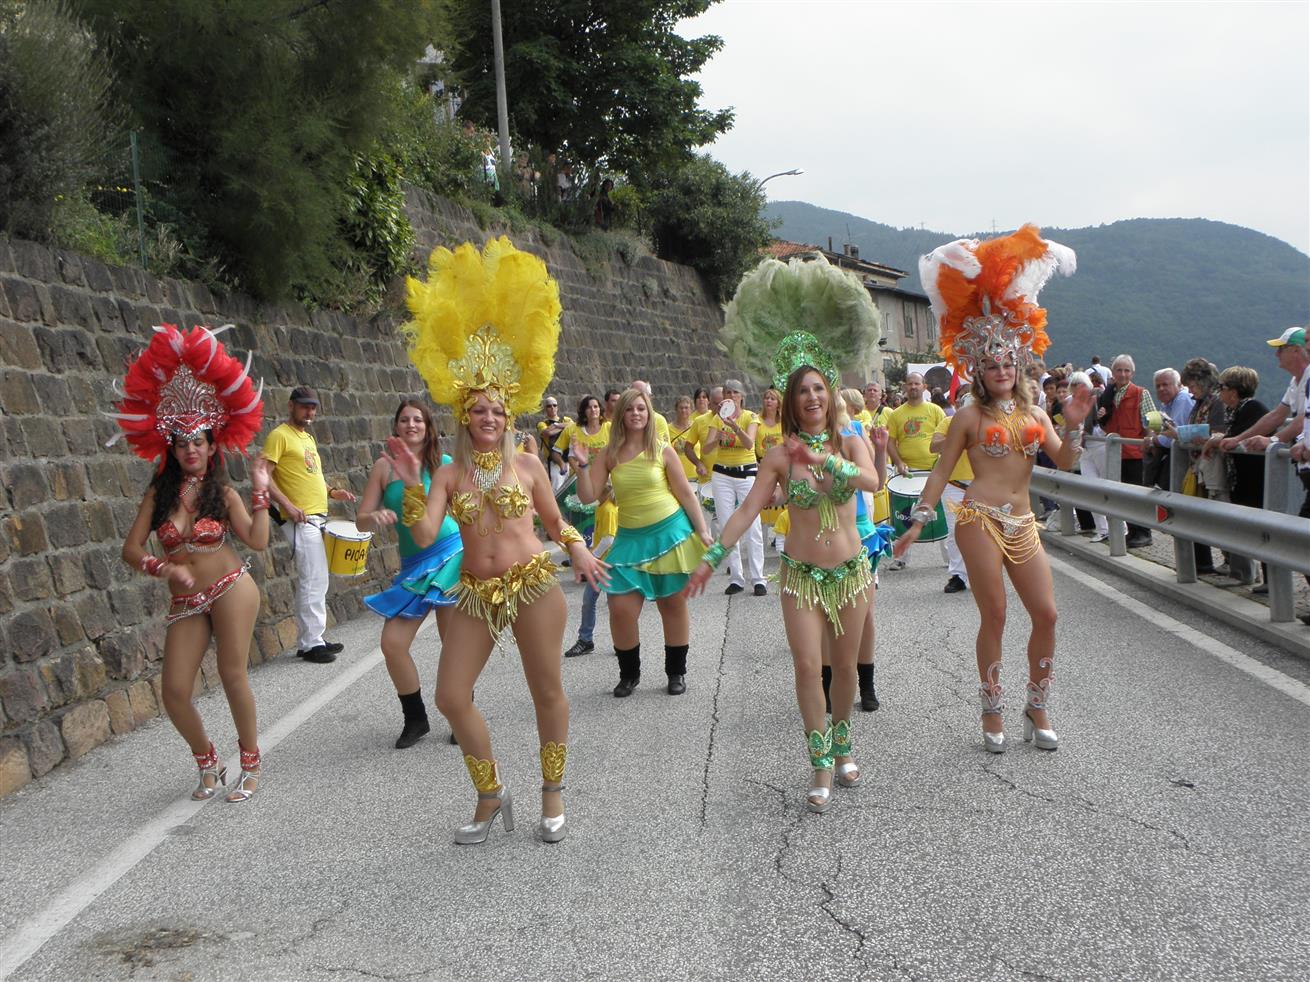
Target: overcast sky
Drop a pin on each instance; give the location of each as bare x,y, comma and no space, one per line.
958,115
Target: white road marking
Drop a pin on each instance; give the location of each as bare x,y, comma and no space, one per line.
28,938
1270,676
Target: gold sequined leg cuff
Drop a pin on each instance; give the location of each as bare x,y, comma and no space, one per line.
553,758
486,776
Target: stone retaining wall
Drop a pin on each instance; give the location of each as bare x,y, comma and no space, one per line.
81,635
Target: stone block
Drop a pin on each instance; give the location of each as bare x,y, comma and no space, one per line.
31,633
53,393
85,727
6,602
94,612
66,525
68,481
14,768
44,436
117,350
45,747
102,566
100,521
123,656
81,439
97,276
17,394
145,698
68,572
17,346
287,633
157,691
67,349
72,306
87,399
25,533
128,604
34,261
68,627
24,301
12,441
108,316
89,671
56,694
31,578
23,694
121,718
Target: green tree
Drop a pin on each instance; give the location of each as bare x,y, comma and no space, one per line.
262,111
705,216
603,82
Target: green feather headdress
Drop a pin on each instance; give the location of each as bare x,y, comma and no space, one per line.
785,315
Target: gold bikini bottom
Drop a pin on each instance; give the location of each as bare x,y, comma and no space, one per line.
1015,535
496,600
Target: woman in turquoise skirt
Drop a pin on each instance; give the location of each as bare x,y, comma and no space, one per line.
425,574
660,540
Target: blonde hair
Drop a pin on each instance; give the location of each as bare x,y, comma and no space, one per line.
619,429
777,395
854,399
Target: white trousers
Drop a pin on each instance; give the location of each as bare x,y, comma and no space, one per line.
951,495
729,493
306,541
1092,464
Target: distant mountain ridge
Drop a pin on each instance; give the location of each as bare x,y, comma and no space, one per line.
1161,289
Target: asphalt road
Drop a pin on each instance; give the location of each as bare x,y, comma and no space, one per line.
1167,838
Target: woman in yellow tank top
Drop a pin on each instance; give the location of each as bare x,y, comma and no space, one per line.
661,538
768,434
682,434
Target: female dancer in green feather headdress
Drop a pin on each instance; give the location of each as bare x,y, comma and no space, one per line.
826,578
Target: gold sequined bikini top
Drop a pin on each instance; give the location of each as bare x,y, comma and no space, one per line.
508,501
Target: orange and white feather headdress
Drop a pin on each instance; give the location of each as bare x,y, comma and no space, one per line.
985,296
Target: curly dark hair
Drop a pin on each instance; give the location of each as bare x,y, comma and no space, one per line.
167,485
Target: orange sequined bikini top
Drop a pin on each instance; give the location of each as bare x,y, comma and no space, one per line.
1012,433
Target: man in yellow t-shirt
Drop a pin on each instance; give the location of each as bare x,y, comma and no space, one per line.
732,439
301,495
911,426
953,494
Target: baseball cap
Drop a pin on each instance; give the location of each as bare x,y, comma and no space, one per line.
304,395
1293,335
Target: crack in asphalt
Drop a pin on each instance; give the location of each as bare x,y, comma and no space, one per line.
1093,808
421,973
714,723
830,895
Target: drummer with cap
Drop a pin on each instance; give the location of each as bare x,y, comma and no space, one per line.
910,428
301,496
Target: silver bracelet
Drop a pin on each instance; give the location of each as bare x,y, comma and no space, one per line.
922,514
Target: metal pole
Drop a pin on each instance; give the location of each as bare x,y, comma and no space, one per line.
502,104
1278,498
1184,550
140,200
1114,472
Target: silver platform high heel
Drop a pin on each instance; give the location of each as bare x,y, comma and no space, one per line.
1037,693
847,774
992,703
553,757
486,778
819,797
210,770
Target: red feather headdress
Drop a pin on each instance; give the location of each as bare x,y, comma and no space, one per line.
985,295
183,384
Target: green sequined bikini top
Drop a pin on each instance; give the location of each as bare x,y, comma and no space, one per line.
806,496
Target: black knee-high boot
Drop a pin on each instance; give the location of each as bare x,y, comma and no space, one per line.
868,695
629,670
675,667
416,719
827,688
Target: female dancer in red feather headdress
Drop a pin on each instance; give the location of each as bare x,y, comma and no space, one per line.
184,401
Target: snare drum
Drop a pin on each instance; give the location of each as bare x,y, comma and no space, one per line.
346,547
707,498
905,493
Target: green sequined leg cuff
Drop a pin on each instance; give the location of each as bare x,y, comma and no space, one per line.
714,554
820,744
841,738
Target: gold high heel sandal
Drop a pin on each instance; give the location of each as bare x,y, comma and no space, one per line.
486,778
553,758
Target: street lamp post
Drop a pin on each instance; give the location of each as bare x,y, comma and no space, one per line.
502,111
794,172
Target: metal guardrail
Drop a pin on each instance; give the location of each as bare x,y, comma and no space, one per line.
1274,534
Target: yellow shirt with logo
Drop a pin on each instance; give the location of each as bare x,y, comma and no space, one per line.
767,436
732,452
680,440
594,442
912,428
297,470
700,427
963,469
662,428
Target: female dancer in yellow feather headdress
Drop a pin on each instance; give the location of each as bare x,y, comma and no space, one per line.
483,336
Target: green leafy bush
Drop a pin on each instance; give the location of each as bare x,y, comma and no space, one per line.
57,115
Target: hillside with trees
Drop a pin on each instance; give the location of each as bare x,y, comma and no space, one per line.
1163,290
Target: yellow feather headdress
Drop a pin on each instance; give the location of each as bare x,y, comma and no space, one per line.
487,322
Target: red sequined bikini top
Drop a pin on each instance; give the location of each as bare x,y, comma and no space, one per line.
207,535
